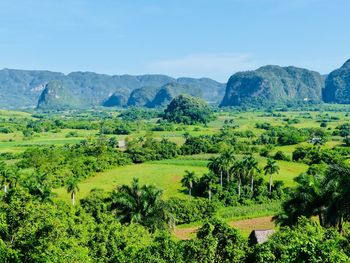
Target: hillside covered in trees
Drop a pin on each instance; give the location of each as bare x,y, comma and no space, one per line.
23,88
337,88
271,85
267,86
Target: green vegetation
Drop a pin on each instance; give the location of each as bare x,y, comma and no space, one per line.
337,85
23,88
271,85
114,184
56,96
187,110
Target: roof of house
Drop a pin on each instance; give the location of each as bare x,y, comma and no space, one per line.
260,236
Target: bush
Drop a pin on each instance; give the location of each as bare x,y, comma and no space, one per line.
72,134
187,211
323,124
6,130
347,141
306,242
279,155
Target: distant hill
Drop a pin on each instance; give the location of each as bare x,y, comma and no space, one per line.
169,91
337,86
153,97
56,96
117,99
271,85
23,88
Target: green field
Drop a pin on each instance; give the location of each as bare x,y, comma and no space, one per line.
165,176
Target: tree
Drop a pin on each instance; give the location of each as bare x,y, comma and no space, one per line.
217,166
251,166
143,205
41,231
307,241
189,180
238,170
271,168
6,175
318,143
336,189
188,110
308,198
227,160
72,187
39,185
216,242
209,180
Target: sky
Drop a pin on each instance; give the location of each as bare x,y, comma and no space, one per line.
194,38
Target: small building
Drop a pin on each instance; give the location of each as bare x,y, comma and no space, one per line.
122,144
315,140
260,236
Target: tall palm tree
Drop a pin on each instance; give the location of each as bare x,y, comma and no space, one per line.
209,180
322,193
143,205
72,188
307,200
5,175
251,166
39,185
318,143
228,159
337,191
189,180
271,168
217,166
238,170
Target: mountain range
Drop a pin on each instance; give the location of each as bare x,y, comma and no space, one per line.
51,90
265,86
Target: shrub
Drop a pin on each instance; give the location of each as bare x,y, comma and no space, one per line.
279,155
187,211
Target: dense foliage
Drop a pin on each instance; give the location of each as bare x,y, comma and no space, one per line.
188,110
337,85
22,88
135,222
271,85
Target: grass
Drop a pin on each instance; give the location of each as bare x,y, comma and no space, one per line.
244,218
242,212
288,171
249,211
183,162
167,174
164,176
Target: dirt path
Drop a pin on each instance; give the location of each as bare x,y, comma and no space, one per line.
246,226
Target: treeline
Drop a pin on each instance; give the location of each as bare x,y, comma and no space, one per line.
132,223
233,181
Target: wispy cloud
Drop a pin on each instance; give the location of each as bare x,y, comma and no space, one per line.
218,66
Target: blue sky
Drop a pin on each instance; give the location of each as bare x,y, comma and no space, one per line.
198,38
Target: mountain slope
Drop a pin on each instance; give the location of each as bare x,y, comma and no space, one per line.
22,88
337,86
169,91
269,85
57,96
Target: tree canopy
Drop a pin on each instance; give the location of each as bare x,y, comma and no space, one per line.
188,110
